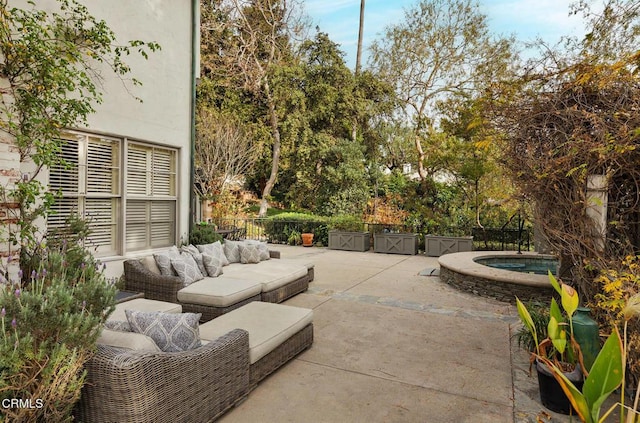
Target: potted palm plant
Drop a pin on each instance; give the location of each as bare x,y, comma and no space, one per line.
559,350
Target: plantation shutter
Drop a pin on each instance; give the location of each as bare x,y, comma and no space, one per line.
88,179
151,197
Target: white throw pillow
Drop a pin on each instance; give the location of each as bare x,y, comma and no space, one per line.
212,264
197,256
249,254
187,269
214,249
163,260
172,332
232,251
262,248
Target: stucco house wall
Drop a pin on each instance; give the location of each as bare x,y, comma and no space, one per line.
161,121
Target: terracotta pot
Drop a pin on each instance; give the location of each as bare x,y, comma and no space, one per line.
307,240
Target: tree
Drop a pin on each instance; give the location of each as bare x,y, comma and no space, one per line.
223,152
612,32
263,30
564,127
441,49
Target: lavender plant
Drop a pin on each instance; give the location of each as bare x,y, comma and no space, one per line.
48,329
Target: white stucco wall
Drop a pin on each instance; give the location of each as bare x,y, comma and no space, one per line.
164,115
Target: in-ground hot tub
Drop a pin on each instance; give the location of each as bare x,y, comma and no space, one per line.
502,275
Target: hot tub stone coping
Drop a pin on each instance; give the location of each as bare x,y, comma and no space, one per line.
462,272
465,264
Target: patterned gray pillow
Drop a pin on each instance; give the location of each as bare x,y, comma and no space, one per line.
197,256
212,264
232,251
214,249
187,269
262,248
163,260
249,254
119,325
170,331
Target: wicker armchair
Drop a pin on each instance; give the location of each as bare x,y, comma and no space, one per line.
191,386
155,287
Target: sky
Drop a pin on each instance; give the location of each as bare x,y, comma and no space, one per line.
525,19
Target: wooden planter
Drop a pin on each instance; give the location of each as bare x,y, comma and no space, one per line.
391,243
350,241
435,246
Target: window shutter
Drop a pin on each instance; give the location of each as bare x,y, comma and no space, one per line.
163,172
137,169
65,176
102,166
102,214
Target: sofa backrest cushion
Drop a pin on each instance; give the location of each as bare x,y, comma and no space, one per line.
149,262
170,331
128,340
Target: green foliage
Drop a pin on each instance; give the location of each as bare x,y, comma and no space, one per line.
294,238
50,317
606,375
557,346
539,319
203,233
285,227
48,330
345,222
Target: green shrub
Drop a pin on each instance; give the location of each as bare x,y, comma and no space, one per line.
203,233
279,228
347,223
49,324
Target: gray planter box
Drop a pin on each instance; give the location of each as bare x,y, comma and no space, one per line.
350,241
390,243
435,246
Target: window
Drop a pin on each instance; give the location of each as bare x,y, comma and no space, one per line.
90,188
151,197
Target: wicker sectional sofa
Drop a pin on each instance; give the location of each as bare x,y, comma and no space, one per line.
128,381
272,280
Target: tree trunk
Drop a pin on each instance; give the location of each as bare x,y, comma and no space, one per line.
421,156
354,129
275,162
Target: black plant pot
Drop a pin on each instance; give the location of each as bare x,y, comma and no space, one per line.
551,393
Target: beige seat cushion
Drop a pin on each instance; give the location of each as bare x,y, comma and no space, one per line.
268,324
221,291
270,274
143,304
128,340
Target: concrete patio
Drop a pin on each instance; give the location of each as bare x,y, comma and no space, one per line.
393,346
